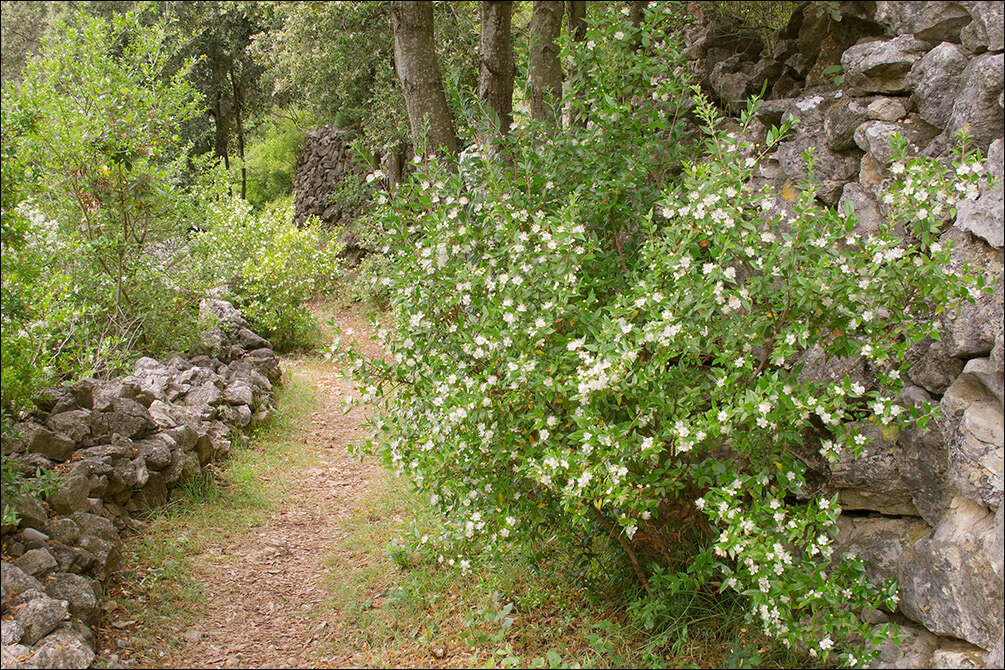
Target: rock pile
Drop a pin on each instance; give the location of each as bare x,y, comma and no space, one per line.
324,161
927,505
121,445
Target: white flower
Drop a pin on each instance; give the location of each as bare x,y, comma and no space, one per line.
700,503
826,643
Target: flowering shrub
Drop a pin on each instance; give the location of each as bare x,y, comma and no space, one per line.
580,348
270,265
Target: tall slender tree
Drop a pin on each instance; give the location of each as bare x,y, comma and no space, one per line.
419,72
545,80
495,76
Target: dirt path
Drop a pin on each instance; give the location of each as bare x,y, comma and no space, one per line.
261,587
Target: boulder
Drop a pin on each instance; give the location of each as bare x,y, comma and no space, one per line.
876,138
928,21
55,446
881,66
127,418
947,581
32,512
10,633
977,105
977,454
64,647
75,424
72,493
37,562
985,215
863,205
970,330
104,394
14,581
914,650
95,525
957,654
887,109
879,541
78,592
936,80
841,120
932,367
985,31
250,340
39,616
156,450
63,530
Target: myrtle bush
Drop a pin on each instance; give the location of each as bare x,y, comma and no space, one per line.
581,346
269,265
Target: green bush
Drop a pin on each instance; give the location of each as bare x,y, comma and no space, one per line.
94,214
583,347
269,265
271,160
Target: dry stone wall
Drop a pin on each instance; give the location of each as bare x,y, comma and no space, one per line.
324,162
120,445
922,506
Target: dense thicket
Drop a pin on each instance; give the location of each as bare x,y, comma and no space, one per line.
594,320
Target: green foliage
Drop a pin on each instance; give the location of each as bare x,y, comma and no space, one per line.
271,159
98,204
583,346
16,484
270,265
338,57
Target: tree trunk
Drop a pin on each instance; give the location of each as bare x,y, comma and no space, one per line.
419,73
495,78
545,82
238,102
637,11
221,122
576,21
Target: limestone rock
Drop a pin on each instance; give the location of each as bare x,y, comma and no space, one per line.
985,32
887,109
63,530
948,583
75,424
985,215
936,79
841,120
914,651
37,562
156,450
956,654
976,454
10,632
79,594
977,105
929,21
127,418
971,330
52,445
65,647
14,581
932,367
859,201
879,541
72,493
880,66
39,616
876,137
